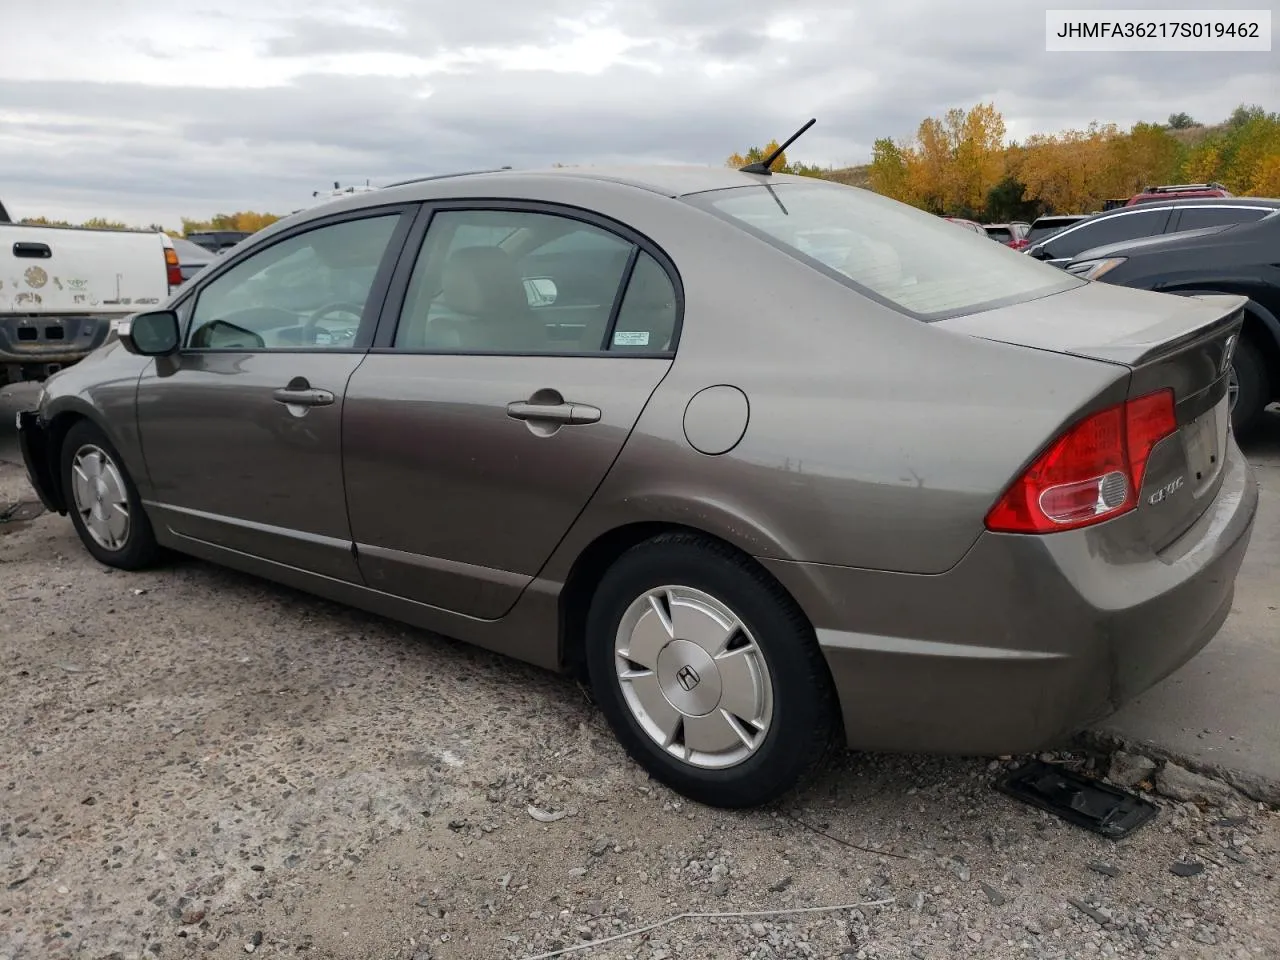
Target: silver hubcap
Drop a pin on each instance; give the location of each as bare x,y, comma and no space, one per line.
99,493
693,677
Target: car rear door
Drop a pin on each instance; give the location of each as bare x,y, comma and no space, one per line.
514,356
1198,217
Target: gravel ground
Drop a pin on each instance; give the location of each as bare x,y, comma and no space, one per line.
198,763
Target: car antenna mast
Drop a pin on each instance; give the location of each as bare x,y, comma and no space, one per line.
762,166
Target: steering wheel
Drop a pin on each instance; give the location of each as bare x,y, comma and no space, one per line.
338,306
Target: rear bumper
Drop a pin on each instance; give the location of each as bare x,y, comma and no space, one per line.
37,456
1027,639
50,340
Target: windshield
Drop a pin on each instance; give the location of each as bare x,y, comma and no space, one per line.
908,259
1043,228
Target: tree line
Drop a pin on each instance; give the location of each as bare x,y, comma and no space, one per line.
248,221
959,164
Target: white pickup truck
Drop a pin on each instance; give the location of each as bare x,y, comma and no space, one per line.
61,288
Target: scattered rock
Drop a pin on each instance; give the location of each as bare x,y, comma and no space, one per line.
781,885
1105,869
1178,783
997,898
1099,917
1129,770
546,816
1186,869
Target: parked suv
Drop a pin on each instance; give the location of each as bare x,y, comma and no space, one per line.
1044,227
1010,234
1148,220
1236,259
1178,191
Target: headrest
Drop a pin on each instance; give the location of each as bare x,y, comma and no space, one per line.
483,282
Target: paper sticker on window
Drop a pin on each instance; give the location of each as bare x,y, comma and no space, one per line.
631,338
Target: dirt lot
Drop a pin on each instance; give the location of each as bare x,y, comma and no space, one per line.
197,763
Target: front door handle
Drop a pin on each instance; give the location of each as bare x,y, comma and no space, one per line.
553,412
302,397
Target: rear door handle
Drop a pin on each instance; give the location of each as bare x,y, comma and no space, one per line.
34,251
302,397
553,412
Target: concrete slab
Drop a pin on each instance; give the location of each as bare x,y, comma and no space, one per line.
1220,714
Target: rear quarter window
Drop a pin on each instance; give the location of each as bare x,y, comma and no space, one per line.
913,261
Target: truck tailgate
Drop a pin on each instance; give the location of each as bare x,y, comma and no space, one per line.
67,271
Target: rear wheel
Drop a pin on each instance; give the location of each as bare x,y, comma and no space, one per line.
708,672
104,505
1250,386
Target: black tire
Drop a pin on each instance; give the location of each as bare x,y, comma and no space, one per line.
804,706
1254,382
139,549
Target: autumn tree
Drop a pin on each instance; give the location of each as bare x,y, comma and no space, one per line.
1181,121
888,173
246,221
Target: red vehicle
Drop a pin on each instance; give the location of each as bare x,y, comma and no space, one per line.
1178,191
1010,234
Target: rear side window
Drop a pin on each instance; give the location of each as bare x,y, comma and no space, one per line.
647,317
1114,229
905,258
1194,218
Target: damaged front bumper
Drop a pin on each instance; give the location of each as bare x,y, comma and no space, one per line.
38,457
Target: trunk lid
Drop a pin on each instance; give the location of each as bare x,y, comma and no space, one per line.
1183,344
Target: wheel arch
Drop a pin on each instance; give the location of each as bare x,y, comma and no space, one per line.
595,559
58,425
1261,325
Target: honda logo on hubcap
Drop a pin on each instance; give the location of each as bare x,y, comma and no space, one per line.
688,678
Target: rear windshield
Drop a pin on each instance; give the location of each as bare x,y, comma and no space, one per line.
910,260
1003,234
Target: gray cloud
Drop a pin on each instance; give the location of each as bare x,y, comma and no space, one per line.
151,152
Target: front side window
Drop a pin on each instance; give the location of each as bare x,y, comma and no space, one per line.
1113,229
909,259
306,292
513,282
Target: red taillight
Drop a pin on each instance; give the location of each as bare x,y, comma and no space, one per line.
172,267
1091,473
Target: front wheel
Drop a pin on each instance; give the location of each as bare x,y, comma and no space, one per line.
103,502
708,673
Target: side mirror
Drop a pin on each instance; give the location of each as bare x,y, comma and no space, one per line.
154,334
540,291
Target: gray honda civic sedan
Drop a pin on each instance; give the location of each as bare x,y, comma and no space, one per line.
772,462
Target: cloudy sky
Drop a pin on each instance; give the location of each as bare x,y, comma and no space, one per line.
148,111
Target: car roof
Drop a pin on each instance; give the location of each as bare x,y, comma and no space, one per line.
669,180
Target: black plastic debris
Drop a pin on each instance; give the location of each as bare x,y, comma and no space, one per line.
1100,807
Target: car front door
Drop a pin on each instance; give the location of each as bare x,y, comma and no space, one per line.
241,430
515,356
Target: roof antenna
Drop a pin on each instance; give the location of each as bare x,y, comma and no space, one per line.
762,166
